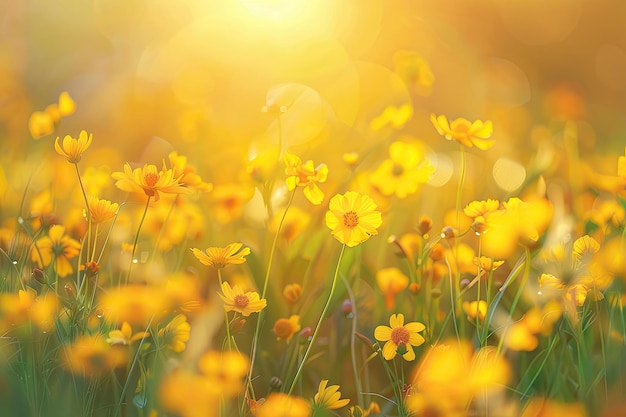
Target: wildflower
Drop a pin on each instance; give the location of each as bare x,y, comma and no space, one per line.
224,371
475,309
391,282
149,180
125,336
235,299
186,173
399,337
403,172
294,223
73,148
188,394
101,210
41,310
92,356
219,258
283,405
305,175
292,293
176,333
467,133
351,159
358,411
286,328
228,200
415,71
57,248
136,304
42,123
394,116
352,218
482,212
328,398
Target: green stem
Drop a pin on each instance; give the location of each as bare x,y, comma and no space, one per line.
228,337
132,256
88,212
319,322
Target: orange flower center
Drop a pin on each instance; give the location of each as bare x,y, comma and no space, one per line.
283,328
241,300
397,170
151,179
350,219
400,336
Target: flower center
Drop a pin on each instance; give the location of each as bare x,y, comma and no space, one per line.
397,170
241,300
283,328
350,219
151,179
400,336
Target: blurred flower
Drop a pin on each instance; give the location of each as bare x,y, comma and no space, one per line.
352,218
403,172
399,338
467,133
245,303
136,304
292,293
544,407
415,71
358,411
176,333
394,116
296,220
188,394
219,258
42,123
101,210
57,248
286,328
522,334
125,336
482,212
283,405
475,309
351,159
305,175
92,356
391,282
224,371
72,148
186,173
328,398
228,200
40,310
621,166
149,180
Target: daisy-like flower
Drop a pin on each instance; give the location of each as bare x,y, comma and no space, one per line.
57,248
352,218
101,210
150,181
403,172
187,173
305,175
72,149
176,333
125,336
235,299
463,131
391,282
328,398
42,123
483,212
285,328
219,258
400,337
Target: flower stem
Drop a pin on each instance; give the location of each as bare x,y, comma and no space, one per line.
132,256
319,322
228,337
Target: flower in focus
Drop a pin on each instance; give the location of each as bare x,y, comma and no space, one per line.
125,336
176,333
286,328
403,172
352,218
391,282
283,405
400,338
463,131
482,212
328,398
101,210
149,180
57,248
245,303
305,175
219,258
72,149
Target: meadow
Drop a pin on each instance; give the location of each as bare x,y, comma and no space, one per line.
278,208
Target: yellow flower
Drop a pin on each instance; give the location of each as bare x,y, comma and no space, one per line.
149,180
475,309
136,304
621,167
228,200
219,258
40,124
235,299
352,218
125,335
391,282
467,133
414,71
283,405
286,328
292,293
101,210
176,333
403,172
305,175
224,371
72,148
400,337
394,116
92,356
186,173
328,397
57,248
